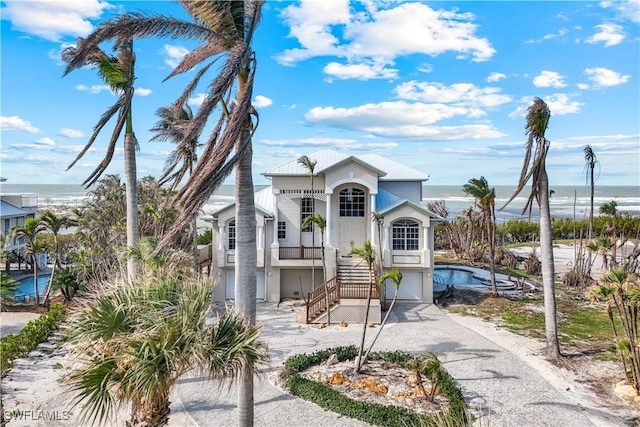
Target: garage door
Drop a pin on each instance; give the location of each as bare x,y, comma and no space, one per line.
230,281
410,287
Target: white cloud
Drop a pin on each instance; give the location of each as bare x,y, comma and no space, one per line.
583,86
494,77
16,123
604,77
261,101
460,94
93,89
307,143
549,79
174,54
559,104
53,19
561,32
401,120
45,141
609,34
626,10
56,54
425,68
71,133
360,71
197,100
142,91
379,35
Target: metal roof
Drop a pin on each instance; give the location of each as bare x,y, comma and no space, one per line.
263,200
7,210
388,170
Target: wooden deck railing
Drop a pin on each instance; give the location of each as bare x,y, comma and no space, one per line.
317,302
300,252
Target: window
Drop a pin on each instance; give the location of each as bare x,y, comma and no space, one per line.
231,233
406,235
306,209
7,226
282,230
352,202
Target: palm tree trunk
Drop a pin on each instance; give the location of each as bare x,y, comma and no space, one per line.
491,235
196,257
384,322
150,414
35,278
552,350
366,320
131,190
246,262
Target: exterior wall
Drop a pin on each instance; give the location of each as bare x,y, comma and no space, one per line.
351,173
290,282
297,182
420,258
353,311
410,190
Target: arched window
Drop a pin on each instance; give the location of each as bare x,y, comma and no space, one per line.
351,202
406,235
231,233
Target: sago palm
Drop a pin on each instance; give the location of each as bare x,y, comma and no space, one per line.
534,170
118,73
133,343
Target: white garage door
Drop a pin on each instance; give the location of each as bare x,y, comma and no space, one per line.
410,287
230,280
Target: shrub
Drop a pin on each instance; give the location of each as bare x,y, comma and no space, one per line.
34,332
326,397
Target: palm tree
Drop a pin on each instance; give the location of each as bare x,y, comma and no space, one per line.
320,222
610,209
29,232
486,201
55,224
225,29
118,73
367,255
395,276
135,341
310,166
534,169
173,123
8,289
590,166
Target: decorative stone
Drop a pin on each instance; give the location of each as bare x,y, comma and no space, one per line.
338,378
626,391
372,383
371,325
319,377
333,359
343,324
322,325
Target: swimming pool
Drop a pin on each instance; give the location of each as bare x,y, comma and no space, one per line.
456,276
25,289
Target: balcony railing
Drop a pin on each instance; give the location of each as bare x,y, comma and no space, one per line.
300,252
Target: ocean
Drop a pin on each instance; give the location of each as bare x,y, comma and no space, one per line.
565,202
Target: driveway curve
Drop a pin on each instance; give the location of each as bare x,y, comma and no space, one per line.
500,388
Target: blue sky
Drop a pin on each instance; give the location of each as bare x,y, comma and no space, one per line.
439,86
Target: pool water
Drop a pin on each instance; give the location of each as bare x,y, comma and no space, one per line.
454,276
25,287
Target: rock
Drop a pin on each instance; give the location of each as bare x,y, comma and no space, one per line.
338,378
322,325
372,383
636,399
318,376
343,324
332,360
626,391
371,325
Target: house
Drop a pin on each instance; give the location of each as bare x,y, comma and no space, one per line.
14,210
347,190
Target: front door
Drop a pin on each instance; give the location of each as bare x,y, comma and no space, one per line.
352,235
352,222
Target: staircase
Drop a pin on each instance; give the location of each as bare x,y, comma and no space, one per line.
351,282
352,270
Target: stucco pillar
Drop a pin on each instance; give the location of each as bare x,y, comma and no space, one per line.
329,221
275,219
221,237
372,224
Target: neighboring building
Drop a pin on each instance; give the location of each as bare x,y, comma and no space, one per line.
14,210
347,190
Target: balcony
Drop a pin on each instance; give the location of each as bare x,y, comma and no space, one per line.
299,252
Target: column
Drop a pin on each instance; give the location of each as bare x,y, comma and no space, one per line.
220,236
275,219
327,238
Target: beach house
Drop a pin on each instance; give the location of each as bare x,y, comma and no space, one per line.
14,210
362,197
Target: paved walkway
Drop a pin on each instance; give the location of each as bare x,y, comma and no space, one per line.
495,383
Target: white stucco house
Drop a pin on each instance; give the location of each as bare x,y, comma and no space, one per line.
15,209
347,190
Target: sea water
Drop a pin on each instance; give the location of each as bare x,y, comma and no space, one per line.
565,201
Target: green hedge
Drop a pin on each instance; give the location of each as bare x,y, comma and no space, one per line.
326,397
34,332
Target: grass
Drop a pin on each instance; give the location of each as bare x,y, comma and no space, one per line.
581,326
